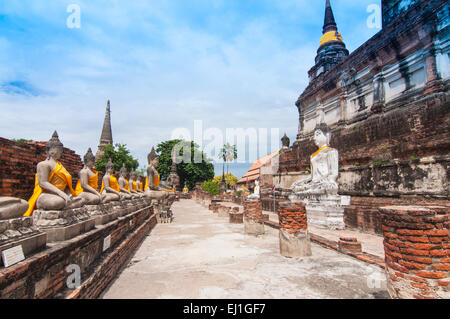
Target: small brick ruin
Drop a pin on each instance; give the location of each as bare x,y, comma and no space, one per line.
294,237
347,245
417,251
253,219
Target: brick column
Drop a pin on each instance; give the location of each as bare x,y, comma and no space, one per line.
434,83
417,251
253,221
294,237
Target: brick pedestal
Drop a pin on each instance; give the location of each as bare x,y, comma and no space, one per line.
224,211
351,245
294,237
236,218
253,221
417,251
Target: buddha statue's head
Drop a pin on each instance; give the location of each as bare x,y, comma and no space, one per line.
110,167
133,175
322,135
123,171
152,158
54,147
89,159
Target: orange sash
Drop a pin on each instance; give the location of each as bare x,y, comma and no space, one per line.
134,186
92,181
318,151
141,187
127,186
155,181
58,177
113,183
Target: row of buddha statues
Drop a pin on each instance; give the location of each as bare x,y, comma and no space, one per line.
54,190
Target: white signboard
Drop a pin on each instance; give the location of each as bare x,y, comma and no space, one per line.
12,256
106,243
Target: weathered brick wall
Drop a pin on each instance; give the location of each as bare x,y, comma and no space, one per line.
44,274
292,217
18,163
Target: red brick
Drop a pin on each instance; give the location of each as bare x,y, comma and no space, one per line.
420,286
412,265
443,283
439,253
441,267
430,275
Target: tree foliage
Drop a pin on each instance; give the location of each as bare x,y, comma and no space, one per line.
230,179
119,154
189,172
211,187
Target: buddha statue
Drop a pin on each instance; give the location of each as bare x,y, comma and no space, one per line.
87,185
110,186
139,184
152,184
256,193
123,183
11,207
53,186
133,184
324,167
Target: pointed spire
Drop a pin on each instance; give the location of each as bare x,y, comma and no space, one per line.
106,137
329,23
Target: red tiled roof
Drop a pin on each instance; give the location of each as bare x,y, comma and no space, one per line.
254,171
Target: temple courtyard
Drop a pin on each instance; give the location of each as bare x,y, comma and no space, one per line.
201,255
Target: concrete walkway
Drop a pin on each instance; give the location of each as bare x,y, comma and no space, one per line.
201,255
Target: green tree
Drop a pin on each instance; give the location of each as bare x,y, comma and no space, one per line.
188,170
211,187
119,154
230,179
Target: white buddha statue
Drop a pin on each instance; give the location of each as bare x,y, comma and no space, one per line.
256,192
324,167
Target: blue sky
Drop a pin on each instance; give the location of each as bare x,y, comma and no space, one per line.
163,64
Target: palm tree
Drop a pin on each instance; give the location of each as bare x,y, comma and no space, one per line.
228,153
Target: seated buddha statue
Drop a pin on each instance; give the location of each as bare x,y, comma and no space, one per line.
140,185
152,182
87,185
110,186
53,186
256,193
133,184
123,183
324,167
11,207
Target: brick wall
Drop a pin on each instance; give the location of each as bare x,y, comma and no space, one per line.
292,217
44,274
18,163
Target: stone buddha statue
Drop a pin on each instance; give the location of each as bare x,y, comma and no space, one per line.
88,183
123,183
324,167
11,207
139,184
110,186
133,184
152,186
53,187
256,192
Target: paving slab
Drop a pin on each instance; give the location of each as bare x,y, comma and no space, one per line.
202,256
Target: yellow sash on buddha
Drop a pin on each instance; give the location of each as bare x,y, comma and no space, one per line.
127,187
317,152
155,182
92,181
141,187
113,183
134,186
58,177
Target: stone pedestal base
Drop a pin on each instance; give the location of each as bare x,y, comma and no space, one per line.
63,225
20,231
295,245
324,211
253,227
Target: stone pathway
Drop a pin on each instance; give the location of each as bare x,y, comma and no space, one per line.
201,255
